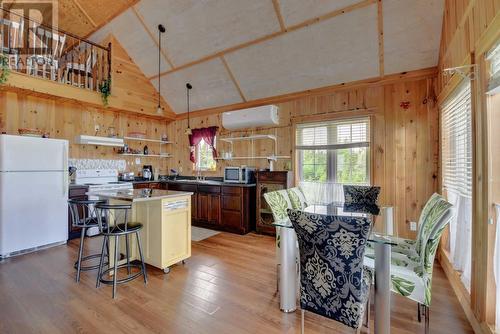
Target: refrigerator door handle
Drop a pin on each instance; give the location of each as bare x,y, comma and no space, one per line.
65,170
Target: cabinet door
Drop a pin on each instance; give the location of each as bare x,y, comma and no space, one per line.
214,209
202,206
176,235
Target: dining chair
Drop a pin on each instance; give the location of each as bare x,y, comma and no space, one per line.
333,280
412,261
297,198
279,202
361,198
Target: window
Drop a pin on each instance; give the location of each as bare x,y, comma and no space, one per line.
335,151
204,157
493,58
456,148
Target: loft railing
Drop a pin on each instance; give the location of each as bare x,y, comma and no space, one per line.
49,53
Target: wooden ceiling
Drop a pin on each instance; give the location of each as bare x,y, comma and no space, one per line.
83,17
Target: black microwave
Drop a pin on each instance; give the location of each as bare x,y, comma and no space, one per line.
239,175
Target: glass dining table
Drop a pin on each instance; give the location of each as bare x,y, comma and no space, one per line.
288,283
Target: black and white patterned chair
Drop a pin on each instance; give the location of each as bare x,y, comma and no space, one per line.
333,281
361,198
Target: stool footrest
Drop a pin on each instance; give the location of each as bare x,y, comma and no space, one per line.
86,258
121,280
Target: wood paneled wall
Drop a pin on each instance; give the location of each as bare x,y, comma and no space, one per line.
470,28
405,141
66,120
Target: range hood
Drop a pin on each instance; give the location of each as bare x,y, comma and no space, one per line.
101,141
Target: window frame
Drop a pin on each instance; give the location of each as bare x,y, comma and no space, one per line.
197,167
331,168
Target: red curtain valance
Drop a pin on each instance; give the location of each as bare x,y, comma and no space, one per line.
207,134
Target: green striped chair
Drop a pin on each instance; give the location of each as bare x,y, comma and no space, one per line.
297,198
412,260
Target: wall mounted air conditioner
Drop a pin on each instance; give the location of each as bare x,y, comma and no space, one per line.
251,118
102,141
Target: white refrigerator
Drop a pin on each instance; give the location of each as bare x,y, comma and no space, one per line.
33,193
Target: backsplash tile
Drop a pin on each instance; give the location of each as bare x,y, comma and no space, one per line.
120,165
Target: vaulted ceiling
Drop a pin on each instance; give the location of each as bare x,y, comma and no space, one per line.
234,51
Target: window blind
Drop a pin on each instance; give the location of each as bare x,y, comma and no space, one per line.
493,57
333,134
456,141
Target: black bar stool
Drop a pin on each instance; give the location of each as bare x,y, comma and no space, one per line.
118,225
83,215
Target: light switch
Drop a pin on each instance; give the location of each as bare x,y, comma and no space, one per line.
137,161
413,226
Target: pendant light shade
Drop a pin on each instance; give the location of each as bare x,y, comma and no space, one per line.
188,88
161,29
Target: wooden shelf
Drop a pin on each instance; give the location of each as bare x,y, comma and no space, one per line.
146,155
249,158
148,140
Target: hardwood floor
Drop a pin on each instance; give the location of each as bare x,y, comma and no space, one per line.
227,286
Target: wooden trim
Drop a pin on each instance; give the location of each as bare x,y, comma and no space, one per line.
334,115
450,86
389,79
459,26
233,79
380,17
459,289
28,85
277,9
112,17
77,4
306,23
489,37
163,52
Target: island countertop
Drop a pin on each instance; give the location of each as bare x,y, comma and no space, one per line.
138,195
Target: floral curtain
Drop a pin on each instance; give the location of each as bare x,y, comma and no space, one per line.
207,134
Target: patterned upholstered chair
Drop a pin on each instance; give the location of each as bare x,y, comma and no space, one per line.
413,260
361,198
333,280
297,198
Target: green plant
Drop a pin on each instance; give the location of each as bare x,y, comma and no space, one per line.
4,68
105,90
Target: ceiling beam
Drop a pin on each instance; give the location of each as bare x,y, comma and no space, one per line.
231,75
377,81
277,9
109,19
77,4
150,33
301,25
380,17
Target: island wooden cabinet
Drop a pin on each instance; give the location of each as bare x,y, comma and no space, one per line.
149,185
228,208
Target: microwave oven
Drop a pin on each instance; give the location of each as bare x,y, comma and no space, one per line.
239,175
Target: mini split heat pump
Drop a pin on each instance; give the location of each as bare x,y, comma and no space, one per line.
251,118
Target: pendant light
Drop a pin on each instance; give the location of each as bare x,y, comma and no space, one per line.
188,88
161,29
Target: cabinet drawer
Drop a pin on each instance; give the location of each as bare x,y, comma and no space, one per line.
272,176
231,190
209,189
182,187
231,202
77,192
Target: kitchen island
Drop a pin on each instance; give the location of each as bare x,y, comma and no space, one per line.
166,217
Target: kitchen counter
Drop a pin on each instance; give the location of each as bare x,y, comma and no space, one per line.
139,195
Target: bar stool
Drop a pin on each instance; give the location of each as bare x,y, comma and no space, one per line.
117,226
83,215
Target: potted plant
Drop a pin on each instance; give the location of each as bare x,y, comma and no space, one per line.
105,90
4,68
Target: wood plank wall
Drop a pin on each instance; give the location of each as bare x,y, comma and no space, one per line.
67,120
405,142
470,28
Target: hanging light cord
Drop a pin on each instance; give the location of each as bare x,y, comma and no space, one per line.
188,104
159,64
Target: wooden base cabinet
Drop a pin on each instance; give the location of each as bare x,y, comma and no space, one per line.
237,209
268,182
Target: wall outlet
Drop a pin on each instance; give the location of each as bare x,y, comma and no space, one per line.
137,161
413,226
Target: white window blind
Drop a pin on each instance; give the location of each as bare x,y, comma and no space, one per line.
334,135
493,57
456,136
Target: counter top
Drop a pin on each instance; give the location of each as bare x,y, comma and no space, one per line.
138,195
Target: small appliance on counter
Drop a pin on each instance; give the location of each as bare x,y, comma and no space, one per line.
128,176
241,174
147,172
